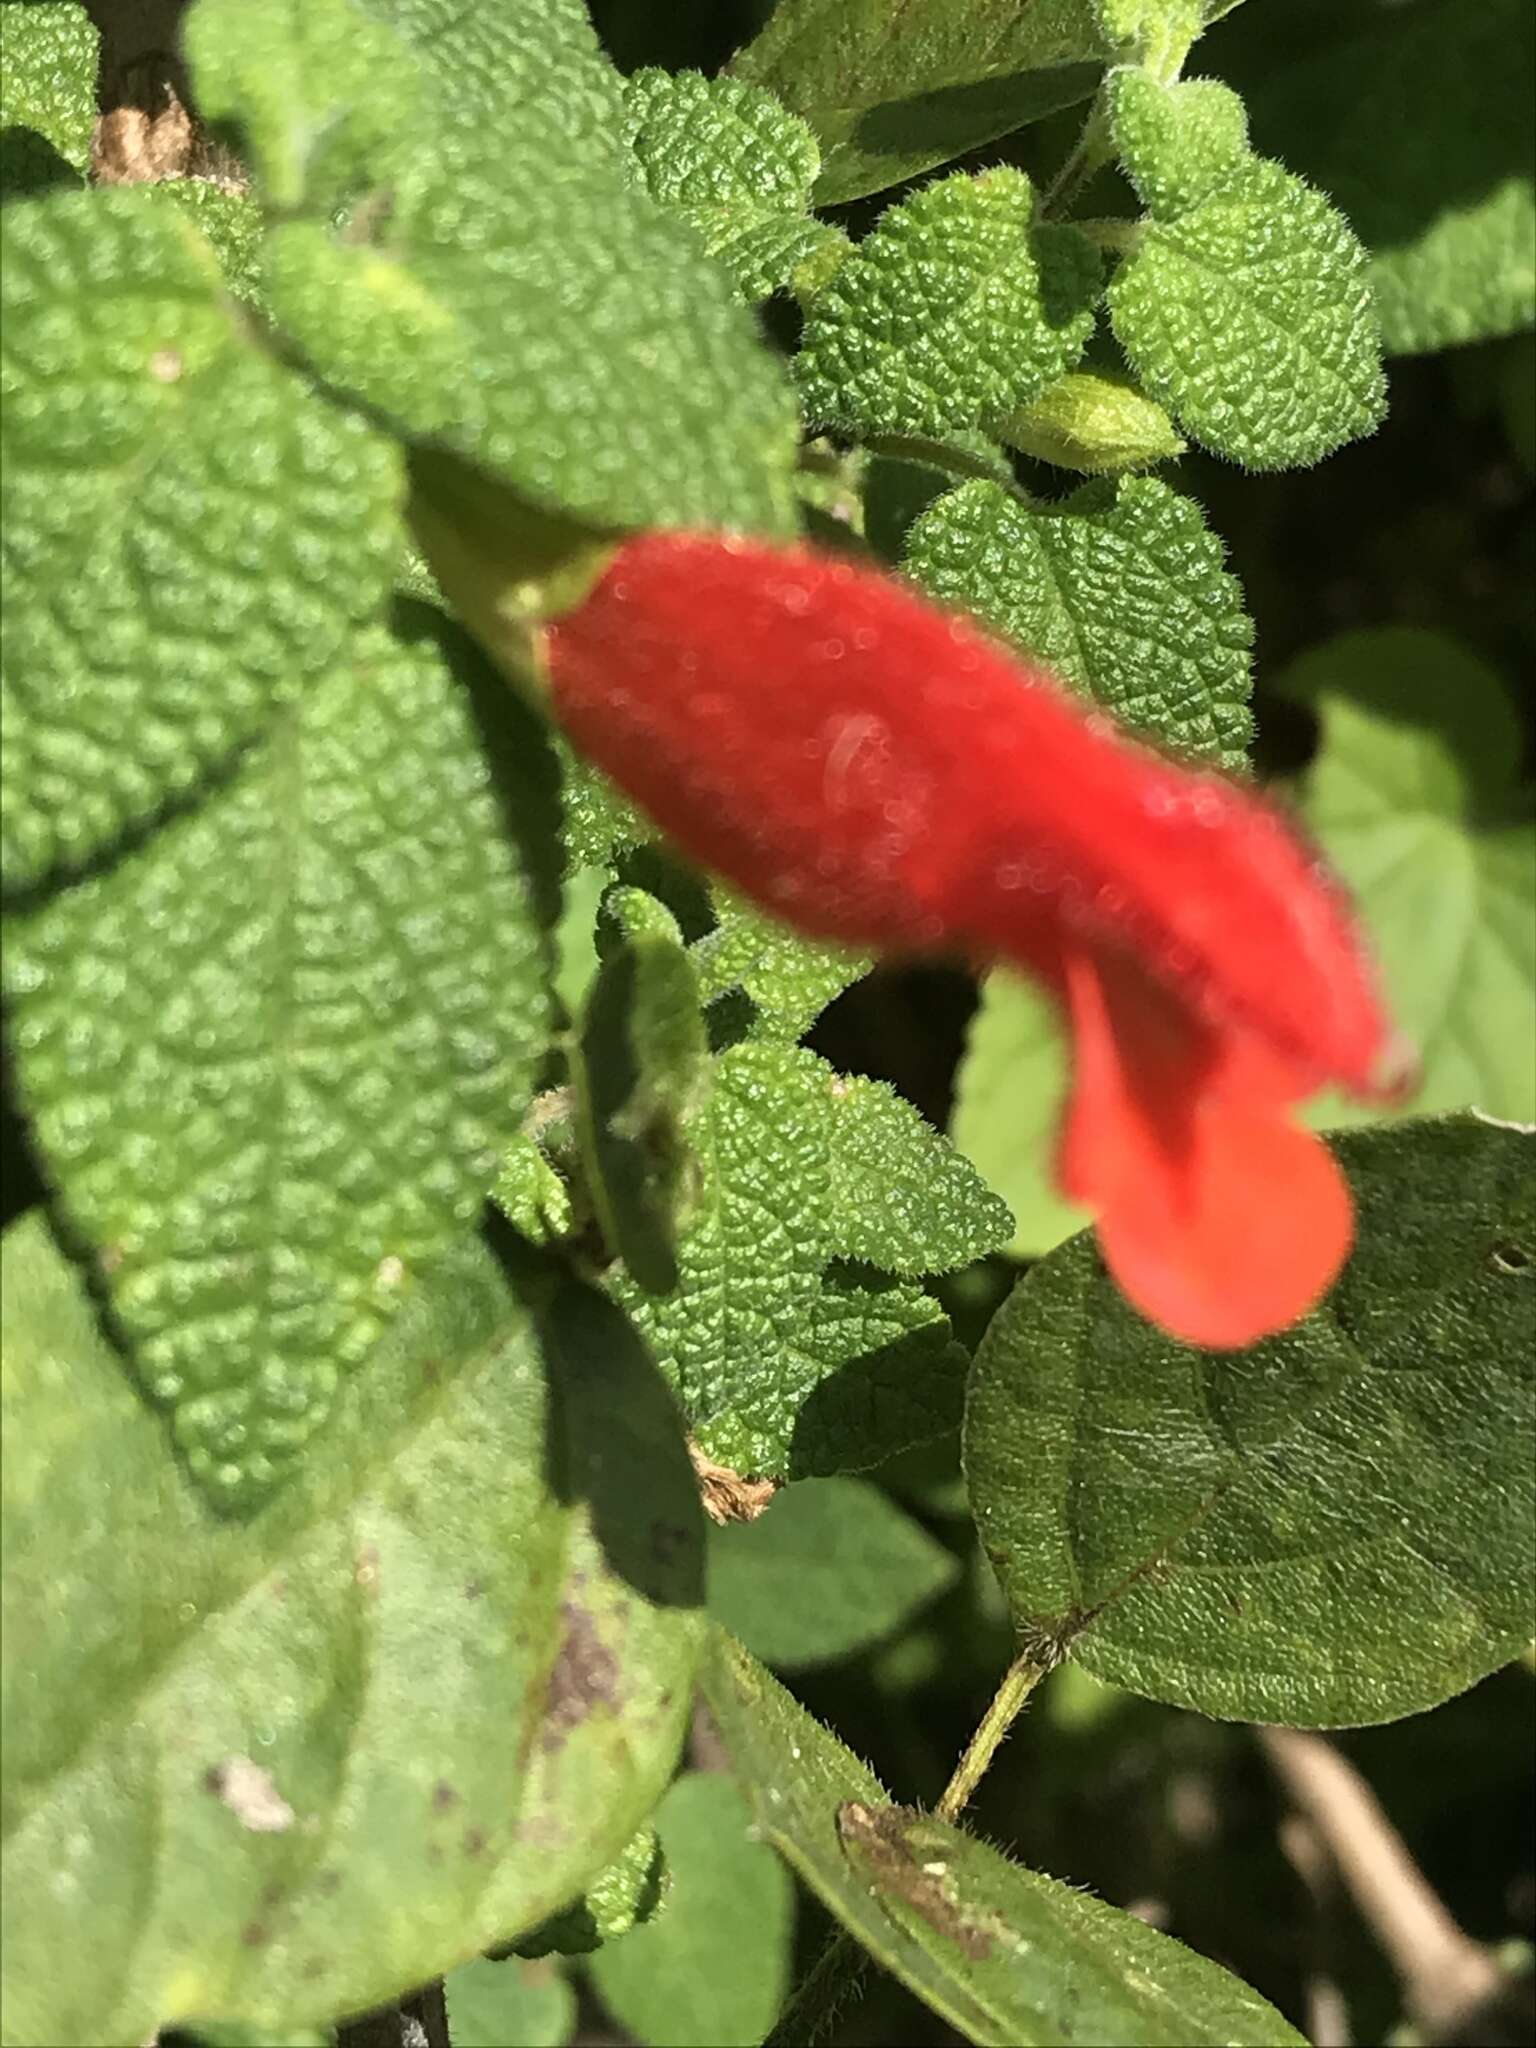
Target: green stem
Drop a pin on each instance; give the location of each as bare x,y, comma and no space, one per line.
1019,1681
1092,150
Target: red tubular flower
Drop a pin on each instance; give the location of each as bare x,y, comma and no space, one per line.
875,770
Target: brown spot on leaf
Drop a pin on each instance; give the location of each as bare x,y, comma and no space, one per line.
474,1590
474,1841
727,1496
443,1796
253,1934
585,1675
880,1840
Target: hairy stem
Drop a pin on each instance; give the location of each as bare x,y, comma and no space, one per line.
1019,1681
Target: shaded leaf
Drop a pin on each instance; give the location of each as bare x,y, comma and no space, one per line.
1334,1527
625,1893
509,2005
710,1970
789,979
830,1567
274,1053
960,73
954,312
468,1626
47,97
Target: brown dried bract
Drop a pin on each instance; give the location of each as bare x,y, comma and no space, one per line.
726,1495
146,131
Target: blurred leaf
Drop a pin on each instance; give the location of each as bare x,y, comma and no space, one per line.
292,1765
1007,1957
1248,317
710,1970
1176,143
885,106
787,1362
830,1567
643,1073
1121,589
1414,797
1334,1527
1420,128
736,165
190,535
1009,1097
47,96
957,310
274,1053
509,2005
632,388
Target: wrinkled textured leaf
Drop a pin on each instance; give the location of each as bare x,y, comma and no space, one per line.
1156,33
789,979
1177,143
47,96
829,1568
1332,1528
960,72
709,1971
273,1054
789,1363
630,388
954,312
1420,129
189,535
509,2005
1413,796
1121,590
624,1893
300,1764
735,164
1249,318
1074,1970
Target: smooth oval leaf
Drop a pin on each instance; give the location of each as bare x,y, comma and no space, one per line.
189,535
273,1054
1004,1955
957,310
1335,1527
1249,318
300,1764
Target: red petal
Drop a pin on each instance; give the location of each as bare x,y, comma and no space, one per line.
1218,1217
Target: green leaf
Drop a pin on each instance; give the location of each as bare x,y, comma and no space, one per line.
1095,425
643,1075
1249,318
189,535
230,221
961,72
1156,33
47,96
1177,143
1332,1528
1420,128
319,90
509,2005
957,310
293,1765
1006,1956
831,1567
735,164
623,1894
789,1362
1121,590
274,1053
789,979
1414,797
528,307
710,1970
1009,1096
